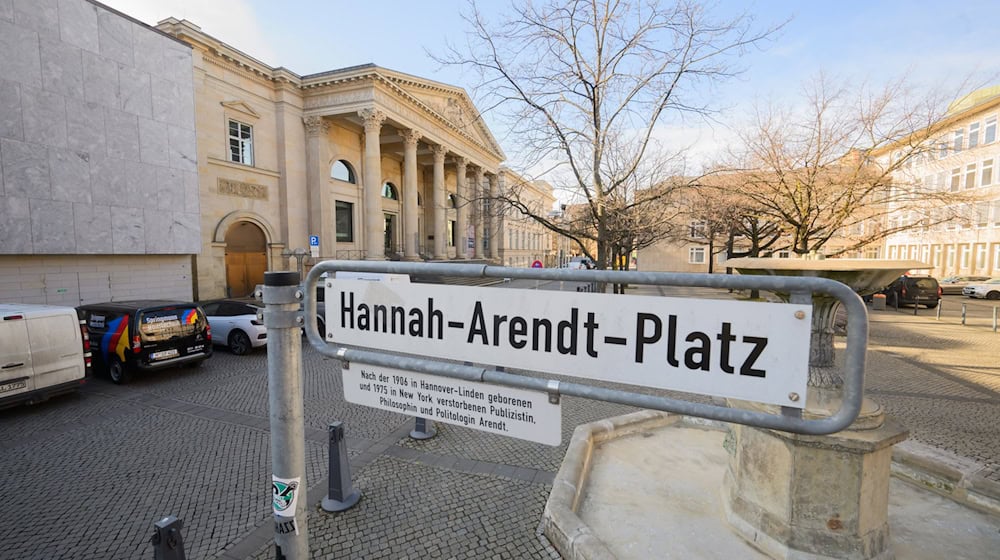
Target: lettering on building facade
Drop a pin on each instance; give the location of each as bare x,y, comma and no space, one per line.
239,188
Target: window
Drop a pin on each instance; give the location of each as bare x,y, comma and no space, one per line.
950,260
696,255
958,140
980,256
389,191
240,143
345,222
451,232
973,135
996,213
970,176
986,177
893,252
996,258
696,229
990,132
956,179
342,171
942,150
941,181
965,257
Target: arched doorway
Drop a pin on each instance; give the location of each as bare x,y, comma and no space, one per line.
246,258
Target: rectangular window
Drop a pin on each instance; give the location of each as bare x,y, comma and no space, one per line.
996,213
942,150
696,255
925,253
983,214
990,132
893,252
956,179
696,229
958,140
973,135
345,222
996,259
986,177
965,257
937,256
941,181
451,233
240,143
980,256
950,260
970,176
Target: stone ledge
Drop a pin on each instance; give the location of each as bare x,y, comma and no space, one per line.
947,475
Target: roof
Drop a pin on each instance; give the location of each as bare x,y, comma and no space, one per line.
136,304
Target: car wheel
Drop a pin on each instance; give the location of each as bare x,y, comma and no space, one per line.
239,343
993,295
932,305
117,372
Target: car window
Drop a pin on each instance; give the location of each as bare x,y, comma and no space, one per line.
211,309
925,283
164,324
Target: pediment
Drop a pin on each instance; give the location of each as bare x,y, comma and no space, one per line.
241,107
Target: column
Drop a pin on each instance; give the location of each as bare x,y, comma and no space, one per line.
440,204
321,217
411,232
372,185
478,215
462,209
495,233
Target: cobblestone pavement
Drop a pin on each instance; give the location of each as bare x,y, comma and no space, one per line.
85,476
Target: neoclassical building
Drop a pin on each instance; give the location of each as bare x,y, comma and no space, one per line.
365,162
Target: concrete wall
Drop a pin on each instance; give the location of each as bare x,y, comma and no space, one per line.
97,140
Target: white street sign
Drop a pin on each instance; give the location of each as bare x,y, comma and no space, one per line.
491,408
745,350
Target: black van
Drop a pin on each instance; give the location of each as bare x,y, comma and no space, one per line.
913,290
130,336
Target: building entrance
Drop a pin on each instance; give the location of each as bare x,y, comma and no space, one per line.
246,258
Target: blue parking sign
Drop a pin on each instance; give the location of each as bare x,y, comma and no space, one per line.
314,241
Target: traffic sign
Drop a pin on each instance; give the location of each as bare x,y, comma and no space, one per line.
491,408
536,264
314,241
746,350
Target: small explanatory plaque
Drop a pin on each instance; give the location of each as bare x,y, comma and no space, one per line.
500,410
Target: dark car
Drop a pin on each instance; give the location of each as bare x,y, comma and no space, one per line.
131,336
953,285
913,290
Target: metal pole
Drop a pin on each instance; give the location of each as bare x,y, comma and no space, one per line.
963,313
995,318
283,318
940,305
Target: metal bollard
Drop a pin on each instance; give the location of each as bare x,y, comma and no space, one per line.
995,318
963,313
340,494
422,430
167,541
939,306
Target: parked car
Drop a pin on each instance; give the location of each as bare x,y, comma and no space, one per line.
142,335
953,285
579,263
44,351
235,325
988,290
913,290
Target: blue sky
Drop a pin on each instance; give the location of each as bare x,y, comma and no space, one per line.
935,43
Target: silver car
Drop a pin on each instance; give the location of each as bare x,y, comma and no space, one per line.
988,290
953,285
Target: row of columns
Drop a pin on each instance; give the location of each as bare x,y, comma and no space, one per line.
372,189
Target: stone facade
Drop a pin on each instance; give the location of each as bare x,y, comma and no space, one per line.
375,163
97,146
522,239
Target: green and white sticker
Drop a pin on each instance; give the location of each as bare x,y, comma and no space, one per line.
284,495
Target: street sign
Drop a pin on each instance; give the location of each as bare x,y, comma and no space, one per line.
490,408
746,350
536,264
314,246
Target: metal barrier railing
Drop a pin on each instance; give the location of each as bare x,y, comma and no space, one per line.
800,289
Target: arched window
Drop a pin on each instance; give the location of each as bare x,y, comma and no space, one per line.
342,171
389,191
452,201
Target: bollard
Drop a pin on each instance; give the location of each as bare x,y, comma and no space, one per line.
939,306
421,430
995,318
963,313
340,494
878,302
167,541
282,298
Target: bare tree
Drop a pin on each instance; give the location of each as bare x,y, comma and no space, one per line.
837,170
584,84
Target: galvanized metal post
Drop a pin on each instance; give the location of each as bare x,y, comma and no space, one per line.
422,430
340,493
940,305
963,313
283,319
995,318
167,541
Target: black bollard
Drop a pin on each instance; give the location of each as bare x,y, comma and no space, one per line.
340,494
167,541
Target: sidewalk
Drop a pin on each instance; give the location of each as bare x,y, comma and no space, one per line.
470,494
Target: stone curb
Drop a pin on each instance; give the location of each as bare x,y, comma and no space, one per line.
947,475
946,478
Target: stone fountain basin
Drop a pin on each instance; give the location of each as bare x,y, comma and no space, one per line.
649,485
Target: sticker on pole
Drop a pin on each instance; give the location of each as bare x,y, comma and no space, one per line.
490,408
284,495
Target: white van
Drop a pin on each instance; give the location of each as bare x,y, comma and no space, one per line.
44,350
